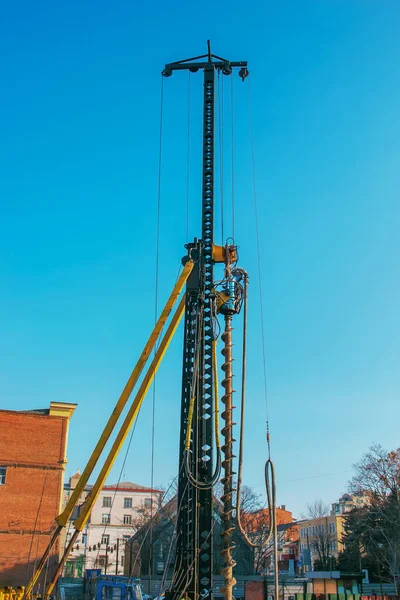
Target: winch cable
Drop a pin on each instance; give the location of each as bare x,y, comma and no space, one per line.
156,282
220,113
172,542
270,484
269,464
138,553
188,163
233,159
190,570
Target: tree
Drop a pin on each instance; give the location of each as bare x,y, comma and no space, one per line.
316,510
319,536
256,520
373,530
377,473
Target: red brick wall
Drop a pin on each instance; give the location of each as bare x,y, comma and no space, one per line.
32,447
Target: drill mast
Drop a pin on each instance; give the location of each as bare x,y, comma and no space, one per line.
204,298
194,549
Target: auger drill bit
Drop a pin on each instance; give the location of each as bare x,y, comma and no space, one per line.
228,526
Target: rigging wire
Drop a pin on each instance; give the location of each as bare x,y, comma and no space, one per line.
269,464
34,530
233,159
157,268
156,310
259,265
220,89
118,482
132,568
188,163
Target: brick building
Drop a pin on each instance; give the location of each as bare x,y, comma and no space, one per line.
32,463
257,524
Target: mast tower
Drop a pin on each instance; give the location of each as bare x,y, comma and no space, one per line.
193,575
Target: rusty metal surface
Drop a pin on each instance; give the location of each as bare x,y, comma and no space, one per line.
227,480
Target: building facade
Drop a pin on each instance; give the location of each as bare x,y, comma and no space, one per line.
321,539
119,511
32,463
150,552
349,502
257,525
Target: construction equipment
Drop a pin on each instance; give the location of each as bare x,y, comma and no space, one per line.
193,574
203,301
112,587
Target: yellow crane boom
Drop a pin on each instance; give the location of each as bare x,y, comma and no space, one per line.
63,519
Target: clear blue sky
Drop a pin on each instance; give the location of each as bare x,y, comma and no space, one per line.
79,112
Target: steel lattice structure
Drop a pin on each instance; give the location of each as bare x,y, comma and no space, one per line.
194,556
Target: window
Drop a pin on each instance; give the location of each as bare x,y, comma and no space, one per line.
102,561
109,592
105,518
127,519
107,501
84,538
105,539
322,528
331,527
3,471
148,502
127,502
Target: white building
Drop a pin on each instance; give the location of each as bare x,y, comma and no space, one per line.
119,511
348,502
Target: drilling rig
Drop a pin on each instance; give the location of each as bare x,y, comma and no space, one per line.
204,300
202,458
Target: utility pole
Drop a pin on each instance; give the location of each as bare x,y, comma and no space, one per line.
193,574
117,558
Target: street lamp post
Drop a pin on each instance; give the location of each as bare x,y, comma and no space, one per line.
117,558
380,546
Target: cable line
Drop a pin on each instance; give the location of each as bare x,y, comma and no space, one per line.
269,466
157,268
233,159
188,163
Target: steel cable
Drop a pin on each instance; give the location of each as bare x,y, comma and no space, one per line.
269,463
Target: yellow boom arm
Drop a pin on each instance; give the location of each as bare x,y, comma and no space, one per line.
119,440
64,517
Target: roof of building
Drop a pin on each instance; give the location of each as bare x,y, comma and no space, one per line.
128,486
56,409
87,487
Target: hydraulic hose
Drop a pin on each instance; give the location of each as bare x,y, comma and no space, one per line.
204,485
269,471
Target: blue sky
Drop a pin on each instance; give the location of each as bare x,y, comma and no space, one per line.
79,146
